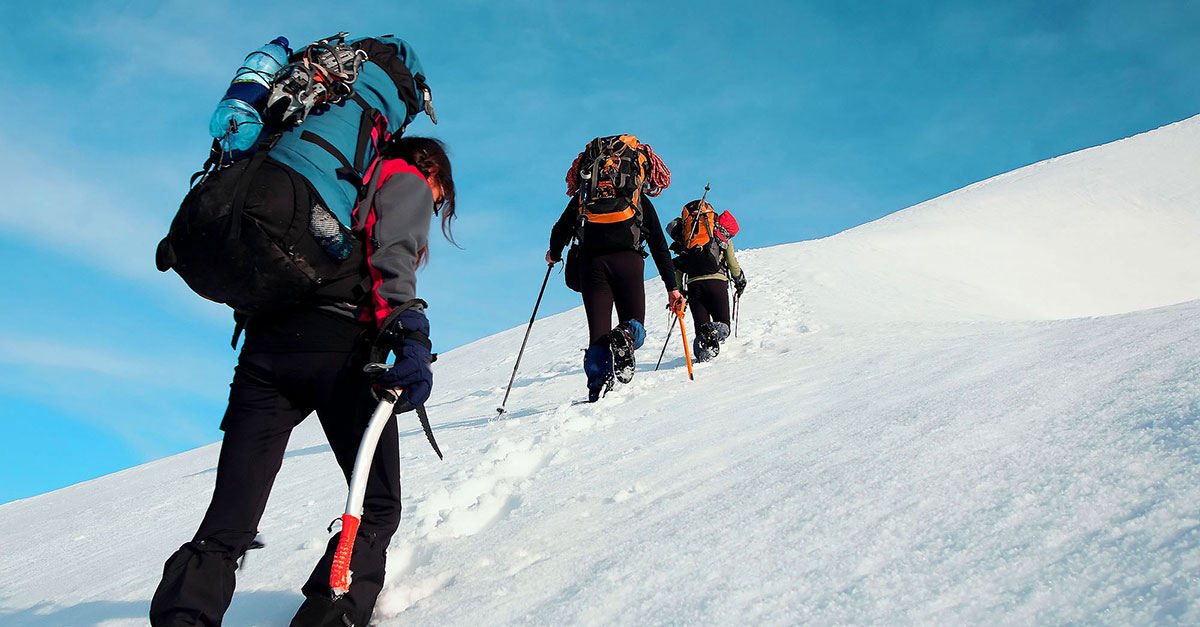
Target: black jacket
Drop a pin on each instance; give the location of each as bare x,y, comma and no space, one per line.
652,234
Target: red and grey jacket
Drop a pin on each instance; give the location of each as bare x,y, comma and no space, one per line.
394,216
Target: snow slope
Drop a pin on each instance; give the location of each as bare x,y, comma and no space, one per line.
981,409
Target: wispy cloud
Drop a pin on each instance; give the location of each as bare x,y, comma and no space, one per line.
156,404
73,216
173,372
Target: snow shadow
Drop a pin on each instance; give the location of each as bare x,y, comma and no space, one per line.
89,613
474,422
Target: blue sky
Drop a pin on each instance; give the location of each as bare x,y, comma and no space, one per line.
807,117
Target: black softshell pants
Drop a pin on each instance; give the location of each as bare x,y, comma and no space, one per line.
311,362
709,301
612,279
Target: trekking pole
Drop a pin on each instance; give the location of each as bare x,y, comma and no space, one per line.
737,299
500,409
670,330
687,354
339,574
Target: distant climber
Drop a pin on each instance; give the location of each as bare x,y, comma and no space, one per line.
704,265
611,220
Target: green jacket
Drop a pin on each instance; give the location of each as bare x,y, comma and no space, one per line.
731,262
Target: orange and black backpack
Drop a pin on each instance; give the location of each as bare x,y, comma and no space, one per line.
699,237
612,174
699,224
610,180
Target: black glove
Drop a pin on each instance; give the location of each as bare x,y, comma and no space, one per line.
739,284
408,338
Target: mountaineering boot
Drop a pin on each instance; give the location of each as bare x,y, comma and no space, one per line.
703,350
623,341
198,581
320,612
709,336
598,366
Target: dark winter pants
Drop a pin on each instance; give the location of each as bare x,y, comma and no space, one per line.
270,394
709,300
612,279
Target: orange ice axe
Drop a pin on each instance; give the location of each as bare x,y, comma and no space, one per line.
687,353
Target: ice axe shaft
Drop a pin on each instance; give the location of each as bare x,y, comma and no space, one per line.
339,574
687,353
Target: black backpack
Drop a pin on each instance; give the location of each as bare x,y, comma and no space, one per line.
698,241
612,176
267,252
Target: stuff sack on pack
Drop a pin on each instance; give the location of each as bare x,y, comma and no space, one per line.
727,226
237,122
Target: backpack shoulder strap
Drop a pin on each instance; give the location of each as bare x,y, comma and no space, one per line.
378,173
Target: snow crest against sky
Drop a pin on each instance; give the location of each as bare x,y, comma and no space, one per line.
808,118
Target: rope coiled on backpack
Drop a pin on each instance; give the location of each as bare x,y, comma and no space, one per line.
657,179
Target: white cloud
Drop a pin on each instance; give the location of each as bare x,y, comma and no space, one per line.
74,217
174,372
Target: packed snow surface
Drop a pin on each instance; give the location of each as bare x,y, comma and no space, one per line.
982,409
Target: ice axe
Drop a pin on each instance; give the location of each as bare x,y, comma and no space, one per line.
687,353
339,574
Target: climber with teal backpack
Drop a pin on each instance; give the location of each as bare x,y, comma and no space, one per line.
310,219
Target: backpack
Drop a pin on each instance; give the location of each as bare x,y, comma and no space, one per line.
295,242
612,175
699,238
698,224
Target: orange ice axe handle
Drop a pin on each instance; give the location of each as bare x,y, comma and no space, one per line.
339,574
687,352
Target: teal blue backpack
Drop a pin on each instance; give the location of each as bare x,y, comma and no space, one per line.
330,111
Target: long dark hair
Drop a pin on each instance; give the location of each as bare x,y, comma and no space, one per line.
428,155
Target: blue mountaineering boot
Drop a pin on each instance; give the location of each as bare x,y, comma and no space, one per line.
623,340
597,365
